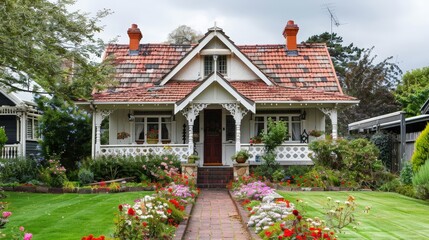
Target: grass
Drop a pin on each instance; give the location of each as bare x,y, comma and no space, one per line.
66,216
392,215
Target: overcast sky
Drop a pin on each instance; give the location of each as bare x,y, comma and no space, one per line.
397,28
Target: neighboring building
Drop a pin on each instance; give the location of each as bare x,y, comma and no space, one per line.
19,117
212,97
406,130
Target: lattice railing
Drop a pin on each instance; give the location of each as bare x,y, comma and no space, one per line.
286,152
10,151
181,150
6,110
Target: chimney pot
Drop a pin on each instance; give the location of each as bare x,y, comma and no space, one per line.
290,32
135,36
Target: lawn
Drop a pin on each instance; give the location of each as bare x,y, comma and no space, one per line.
392,216
66,216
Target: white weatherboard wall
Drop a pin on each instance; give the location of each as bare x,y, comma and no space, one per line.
239,71
192,71
118,122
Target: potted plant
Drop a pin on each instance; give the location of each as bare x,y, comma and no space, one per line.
316,133
256,139
152,136
193,158
241,156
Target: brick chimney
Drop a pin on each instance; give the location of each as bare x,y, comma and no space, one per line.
290,32
135,36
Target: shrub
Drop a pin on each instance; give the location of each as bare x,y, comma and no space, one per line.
279,175
275,136
385,143
3,138
421,150
54,175
390,186
268,166
85,176
407,190
156,167
406,175
253,191
297,170
328,153
421,181
19,170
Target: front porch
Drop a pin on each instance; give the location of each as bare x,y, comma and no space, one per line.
287,153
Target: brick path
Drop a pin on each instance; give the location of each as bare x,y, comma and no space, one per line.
214,217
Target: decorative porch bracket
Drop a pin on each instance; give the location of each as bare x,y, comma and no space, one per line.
238,113
332,114
100,115
190,114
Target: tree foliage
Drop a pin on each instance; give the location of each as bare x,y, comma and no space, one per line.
42,41
3,138
184,35
413,91
65,131
362,77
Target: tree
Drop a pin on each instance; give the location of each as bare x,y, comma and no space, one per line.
361,77
184,35
42,41
65,131
413,91
421,152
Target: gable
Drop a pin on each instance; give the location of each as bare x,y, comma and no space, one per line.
214,93
214,89
207,46
5,101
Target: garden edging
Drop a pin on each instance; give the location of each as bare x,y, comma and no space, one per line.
183,226
244,218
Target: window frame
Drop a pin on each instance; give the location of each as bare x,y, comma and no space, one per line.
160,123
33,132
277,116
221,66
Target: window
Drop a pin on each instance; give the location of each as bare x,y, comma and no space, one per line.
209,64
153,129
293,124
230,128
196,129
32,128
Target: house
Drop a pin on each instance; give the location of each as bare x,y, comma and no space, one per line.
19,117
405,130
211,98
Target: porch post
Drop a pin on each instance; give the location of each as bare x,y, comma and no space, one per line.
99,117
238,114
333,115
191,112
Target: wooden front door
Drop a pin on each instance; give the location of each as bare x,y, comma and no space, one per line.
213,137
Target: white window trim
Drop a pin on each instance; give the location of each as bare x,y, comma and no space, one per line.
277,116
145,123
34,134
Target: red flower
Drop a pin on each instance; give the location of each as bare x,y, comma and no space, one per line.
299,217
249,209
120,208
268,233
287,233
144,224
170,190
295,212
131,212
169,211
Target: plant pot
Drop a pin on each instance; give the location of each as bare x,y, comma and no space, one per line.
241,159
152,141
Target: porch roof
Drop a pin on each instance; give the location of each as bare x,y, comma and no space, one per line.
255,91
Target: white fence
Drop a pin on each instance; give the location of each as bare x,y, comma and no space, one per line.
10,151
287,153
180,150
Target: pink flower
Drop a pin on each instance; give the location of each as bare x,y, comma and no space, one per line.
28,236
21,229
6,214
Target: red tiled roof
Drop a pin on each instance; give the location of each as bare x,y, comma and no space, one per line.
308,76
256,91
149,66
312,68
173,91
259,91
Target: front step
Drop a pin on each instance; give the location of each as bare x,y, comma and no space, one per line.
214,177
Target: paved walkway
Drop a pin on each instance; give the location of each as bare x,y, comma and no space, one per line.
214,217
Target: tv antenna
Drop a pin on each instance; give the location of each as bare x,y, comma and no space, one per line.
334,19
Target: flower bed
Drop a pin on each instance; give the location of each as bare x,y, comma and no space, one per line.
156,216
280,219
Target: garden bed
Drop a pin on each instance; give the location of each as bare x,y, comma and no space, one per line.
42,189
